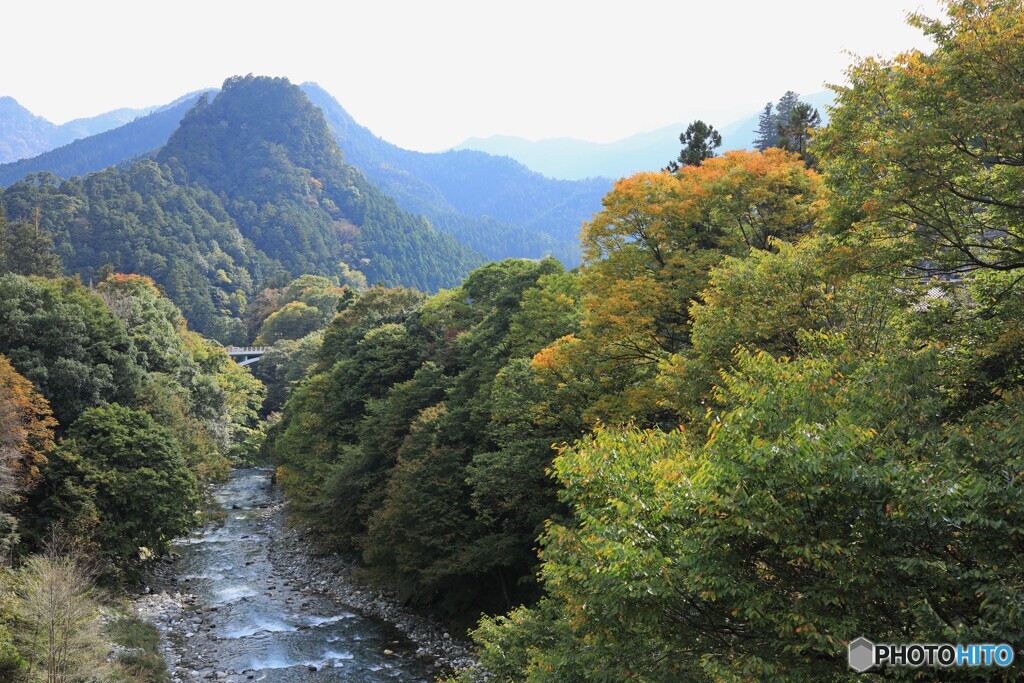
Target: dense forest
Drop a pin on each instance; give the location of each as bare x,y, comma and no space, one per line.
777,407
493,205
224,209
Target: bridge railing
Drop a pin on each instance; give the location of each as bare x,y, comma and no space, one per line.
246,350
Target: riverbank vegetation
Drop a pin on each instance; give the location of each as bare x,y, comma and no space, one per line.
113,417
784,403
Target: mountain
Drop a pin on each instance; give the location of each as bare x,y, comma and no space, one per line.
111,147
577,159
494,204
250,190
24,135
263,146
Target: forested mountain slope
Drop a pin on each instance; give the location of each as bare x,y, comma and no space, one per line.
494,205
251,189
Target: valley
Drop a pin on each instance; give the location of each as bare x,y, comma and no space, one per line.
283,401
242,601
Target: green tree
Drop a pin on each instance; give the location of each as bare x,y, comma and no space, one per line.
284,365
816,511
648,256
767,133
795,131
26,249
294,320
119,480
285,313
90,362
699,142
419,405
922,152
153,322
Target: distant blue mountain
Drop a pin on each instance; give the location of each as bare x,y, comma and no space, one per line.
108,148
24,135
496,205
577,159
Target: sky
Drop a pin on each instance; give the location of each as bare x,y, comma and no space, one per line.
428,74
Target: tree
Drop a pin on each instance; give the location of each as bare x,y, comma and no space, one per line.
284,365
786,124
429,406
26,249
153,322
699,143
767,133
350,277
60,634
90,362
26,437
294,320
119,480
795,131
922,149
817,509
26,428
785,106
647,258
244,398
285,313
768,301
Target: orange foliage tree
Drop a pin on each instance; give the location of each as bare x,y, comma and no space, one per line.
647,257
26,427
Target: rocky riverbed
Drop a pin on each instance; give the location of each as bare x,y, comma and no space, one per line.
246,599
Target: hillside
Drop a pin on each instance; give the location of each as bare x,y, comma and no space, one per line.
533,213
264,147
250,189
111,147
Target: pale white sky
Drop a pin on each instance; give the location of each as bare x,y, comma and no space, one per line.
427,74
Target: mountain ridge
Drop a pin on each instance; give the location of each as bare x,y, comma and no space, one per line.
574,159
111,147
497,206
24,135
502,192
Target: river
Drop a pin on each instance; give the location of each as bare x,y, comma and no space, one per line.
247,617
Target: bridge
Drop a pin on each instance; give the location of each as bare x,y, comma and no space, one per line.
246,355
